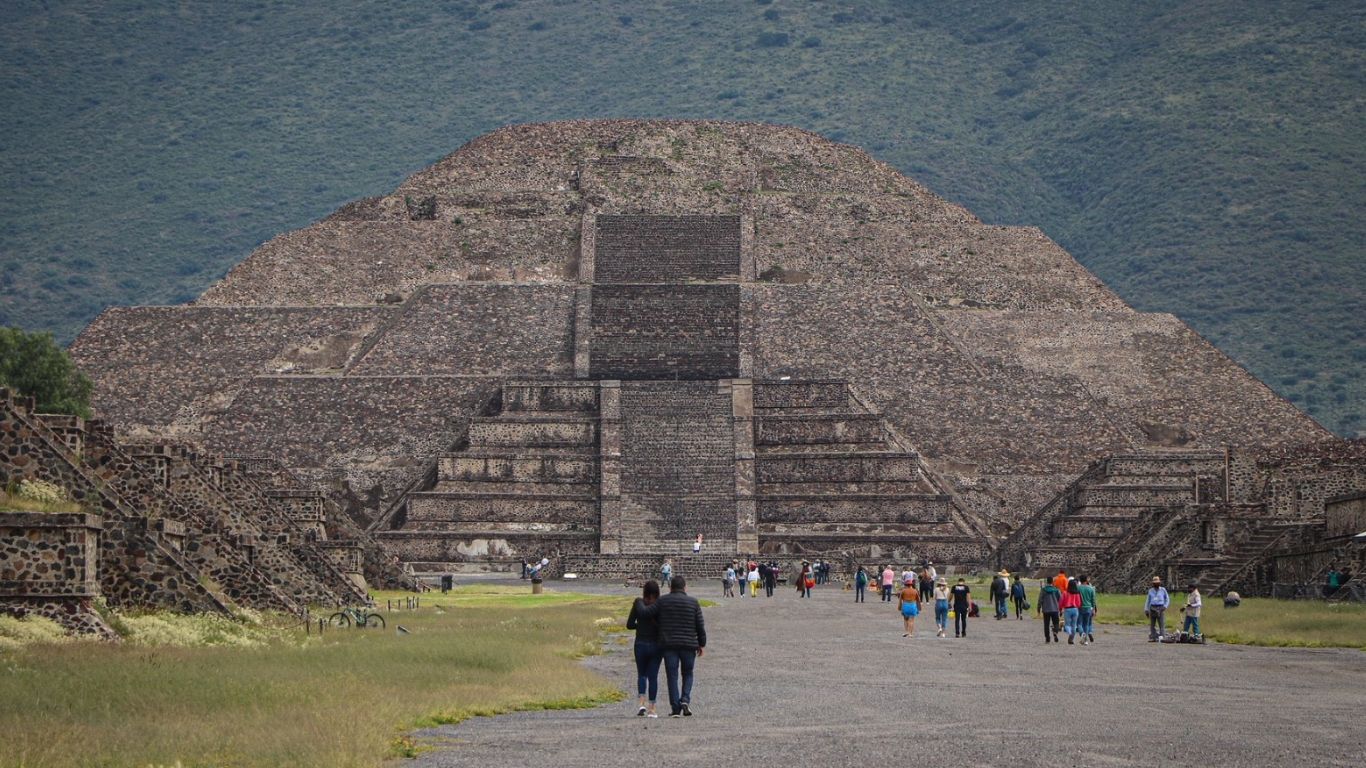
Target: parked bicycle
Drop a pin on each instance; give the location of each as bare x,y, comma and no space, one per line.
360,618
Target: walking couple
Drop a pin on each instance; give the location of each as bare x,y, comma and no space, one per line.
668,629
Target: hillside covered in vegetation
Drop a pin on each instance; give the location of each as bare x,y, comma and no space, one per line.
1203,159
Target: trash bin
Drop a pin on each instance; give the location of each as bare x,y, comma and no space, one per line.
447,582
535,586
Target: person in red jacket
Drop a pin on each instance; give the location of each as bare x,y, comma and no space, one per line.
1071,609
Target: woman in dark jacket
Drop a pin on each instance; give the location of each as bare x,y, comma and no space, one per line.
648,651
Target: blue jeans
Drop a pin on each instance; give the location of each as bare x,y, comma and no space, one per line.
859,590
941,614
1191,625
1001,611
1087,618
1069,621
676,660
648,656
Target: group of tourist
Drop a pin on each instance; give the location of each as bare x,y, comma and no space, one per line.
754,575
670,630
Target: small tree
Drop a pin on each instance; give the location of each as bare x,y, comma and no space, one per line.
33,365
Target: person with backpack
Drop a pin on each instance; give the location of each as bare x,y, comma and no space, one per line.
1000,592
962,605
1017,596
1071,609
1049,602
728,581
1155,608
860,584
647,650
1088,609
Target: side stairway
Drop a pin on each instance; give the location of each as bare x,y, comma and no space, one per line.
525,485
831,478
1108,501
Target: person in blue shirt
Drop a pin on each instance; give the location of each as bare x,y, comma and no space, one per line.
1155,608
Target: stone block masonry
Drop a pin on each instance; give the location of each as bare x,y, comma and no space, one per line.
666,249
49,567
665,332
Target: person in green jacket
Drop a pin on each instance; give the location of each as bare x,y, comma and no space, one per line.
1087,614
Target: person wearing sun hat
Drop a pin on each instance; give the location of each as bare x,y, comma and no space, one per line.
1155,608
1000,592
941,604
909,604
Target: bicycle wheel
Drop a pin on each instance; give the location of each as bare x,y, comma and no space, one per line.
374,620
339,619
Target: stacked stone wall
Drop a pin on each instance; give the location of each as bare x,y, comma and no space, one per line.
434,509
665,332
163,366
478,330
678,458
364,438
140,569
666,249
49,567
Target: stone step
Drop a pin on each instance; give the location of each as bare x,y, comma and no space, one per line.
777,394
550,396
841,489
918,508
528,468
837,467
1091,527
532,432
1133,496
514,488
1101,511
836,449
818,429
437,506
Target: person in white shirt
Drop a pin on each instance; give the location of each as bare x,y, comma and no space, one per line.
1192,610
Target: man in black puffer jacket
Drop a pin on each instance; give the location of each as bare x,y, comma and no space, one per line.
683,637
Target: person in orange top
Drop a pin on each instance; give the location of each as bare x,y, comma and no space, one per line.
1060,581
910,604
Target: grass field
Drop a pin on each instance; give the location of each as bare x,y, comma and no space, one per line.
347,699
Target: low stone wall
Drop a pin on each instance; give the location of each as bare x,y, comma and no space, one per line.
49,566
493,544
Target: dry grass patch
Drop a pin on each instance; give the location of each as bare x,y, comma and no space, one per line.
347,699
